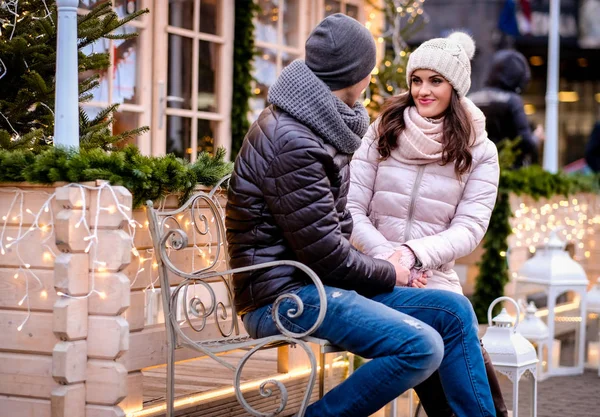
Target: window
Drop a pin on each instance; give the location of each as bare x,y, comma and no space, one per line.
124,81
351,8
193,68
279,40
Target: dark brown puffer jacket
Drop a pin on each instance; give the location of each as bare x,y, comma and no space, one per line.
287,201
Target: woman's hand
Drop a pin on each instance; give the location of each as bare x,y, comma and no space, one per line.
418,278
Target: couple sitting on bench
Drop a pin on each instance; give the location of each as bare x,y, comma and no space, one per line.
423,185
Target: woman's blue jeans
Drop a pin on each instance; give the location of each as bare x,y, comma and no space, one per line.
400,331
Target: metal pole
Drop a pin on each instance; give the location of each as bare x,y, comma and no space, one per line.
66,121
551,144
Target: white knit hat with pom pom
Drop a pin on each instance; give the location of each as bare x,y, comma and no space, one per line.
450,57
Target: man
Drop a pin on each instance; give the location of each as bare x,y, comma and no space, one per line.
287,201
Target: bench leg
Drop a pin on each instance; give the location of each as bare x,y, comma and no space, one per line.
321,373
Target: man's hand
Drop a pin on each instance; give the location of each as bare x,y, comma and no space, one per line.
402,273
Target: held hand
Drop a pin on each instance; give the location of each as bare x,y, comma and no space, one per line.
402,273
420,278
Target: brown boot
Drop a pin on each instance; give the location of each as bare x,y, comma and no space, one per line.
499,404
432,397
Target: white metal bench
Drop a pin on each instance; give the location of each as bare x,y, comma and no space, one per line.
197,215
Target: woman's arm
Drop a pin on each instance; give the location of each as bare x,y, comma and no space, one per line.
470,221
363,171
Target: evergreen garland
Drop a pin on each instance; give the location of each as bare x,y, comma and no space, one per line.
146,177
243,56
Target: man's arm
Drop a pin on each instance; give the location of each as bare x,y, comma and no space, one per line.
298,194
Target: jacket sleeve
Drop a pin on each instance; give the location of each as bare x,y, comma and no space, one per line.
529,143
471,219
298,193
363,172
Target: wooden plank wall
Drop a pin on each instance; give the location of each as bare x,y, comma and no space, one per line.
26,380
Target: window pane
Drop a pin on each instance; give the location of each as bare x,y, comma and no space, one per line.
209,16
265,67
92,111
265,74
266,24
258,102
352,11
124,121
179,134
126,68
100,92
331,7
291,23
181,13
287,58
207,62
180,72
206,138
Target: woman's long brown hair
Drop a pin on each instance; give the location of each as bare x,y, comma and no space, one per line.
456,135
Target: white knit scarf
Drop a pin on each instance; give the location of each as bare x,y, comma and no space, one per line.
421,140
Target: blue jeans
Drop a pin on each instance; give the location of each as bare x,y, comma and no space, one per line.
400,331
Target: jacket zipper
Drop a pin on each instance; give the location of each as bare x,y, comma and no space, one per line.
413,201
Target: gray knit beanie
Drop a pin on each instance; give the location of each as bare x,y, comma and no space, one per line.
340,51
449,57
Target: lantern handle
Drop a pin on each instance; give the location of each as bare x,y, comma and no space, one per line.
496,301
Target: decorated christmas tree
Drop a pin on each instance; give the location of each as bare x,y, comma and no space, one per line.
402,19
28,32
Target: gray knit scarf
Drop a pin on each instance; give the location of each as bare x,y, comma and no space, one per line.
305,97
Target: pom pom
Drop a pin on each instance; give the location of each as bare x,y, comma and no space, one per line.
464,40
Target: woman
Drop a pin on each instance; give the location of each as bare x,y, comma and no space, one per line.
425,179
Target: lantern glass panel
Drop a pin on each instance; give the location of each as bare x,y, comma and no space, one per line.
567,321
525,394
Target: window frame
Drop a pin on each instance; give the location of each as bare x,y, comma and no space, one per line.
223,81
143,26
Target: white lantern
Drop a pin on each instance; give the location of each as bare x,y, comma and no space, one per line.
553,272
535,330
510,353
593,314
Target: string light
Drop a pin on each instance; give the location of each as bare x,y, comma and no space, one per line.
43,222
534,221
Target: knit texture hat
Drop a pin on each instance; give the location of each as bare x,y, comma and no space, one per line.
340,51
449,57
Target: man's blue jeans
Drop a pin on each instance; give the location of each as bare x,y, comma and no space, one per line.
400,331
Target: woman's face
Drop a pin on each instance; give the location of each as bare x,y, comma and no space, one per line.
430,92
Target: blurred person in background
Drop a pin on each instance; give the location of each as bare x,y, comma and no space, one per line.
502,105
592,149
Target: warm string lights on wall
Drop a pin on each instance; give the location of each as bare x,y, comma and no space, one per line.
574,218
11,243
200,228
43,223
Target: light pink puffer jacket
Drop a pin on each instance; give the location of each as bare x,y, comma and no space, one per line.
425,207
